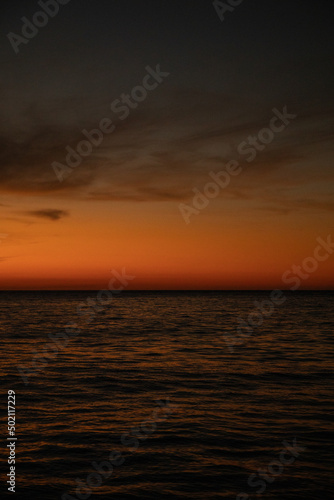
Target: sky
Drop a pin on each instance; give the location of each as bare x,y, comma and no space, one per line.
129,203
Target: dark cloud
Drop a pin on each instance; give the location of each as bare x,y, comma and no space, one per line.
165,148
48,213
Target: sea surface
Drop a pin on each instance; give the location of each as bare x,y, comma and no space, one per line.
228,413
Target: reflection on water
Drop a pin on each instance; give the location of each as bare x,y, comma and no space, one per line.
234,409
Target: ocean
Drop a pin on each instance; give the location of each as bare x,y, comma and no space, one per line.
153,396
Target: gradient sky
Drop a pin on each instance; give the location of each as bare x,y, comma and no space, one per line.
120,207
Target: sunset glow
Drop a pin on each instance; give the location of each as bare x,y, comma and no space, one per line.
110,170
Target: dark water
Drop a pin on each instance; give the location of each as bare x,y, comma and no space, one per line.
231,411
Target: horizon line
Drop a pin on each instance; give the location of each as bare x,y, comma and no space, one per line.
172,290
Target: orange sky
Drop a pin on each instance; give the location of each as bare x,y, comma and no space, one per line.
225,247
213,89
